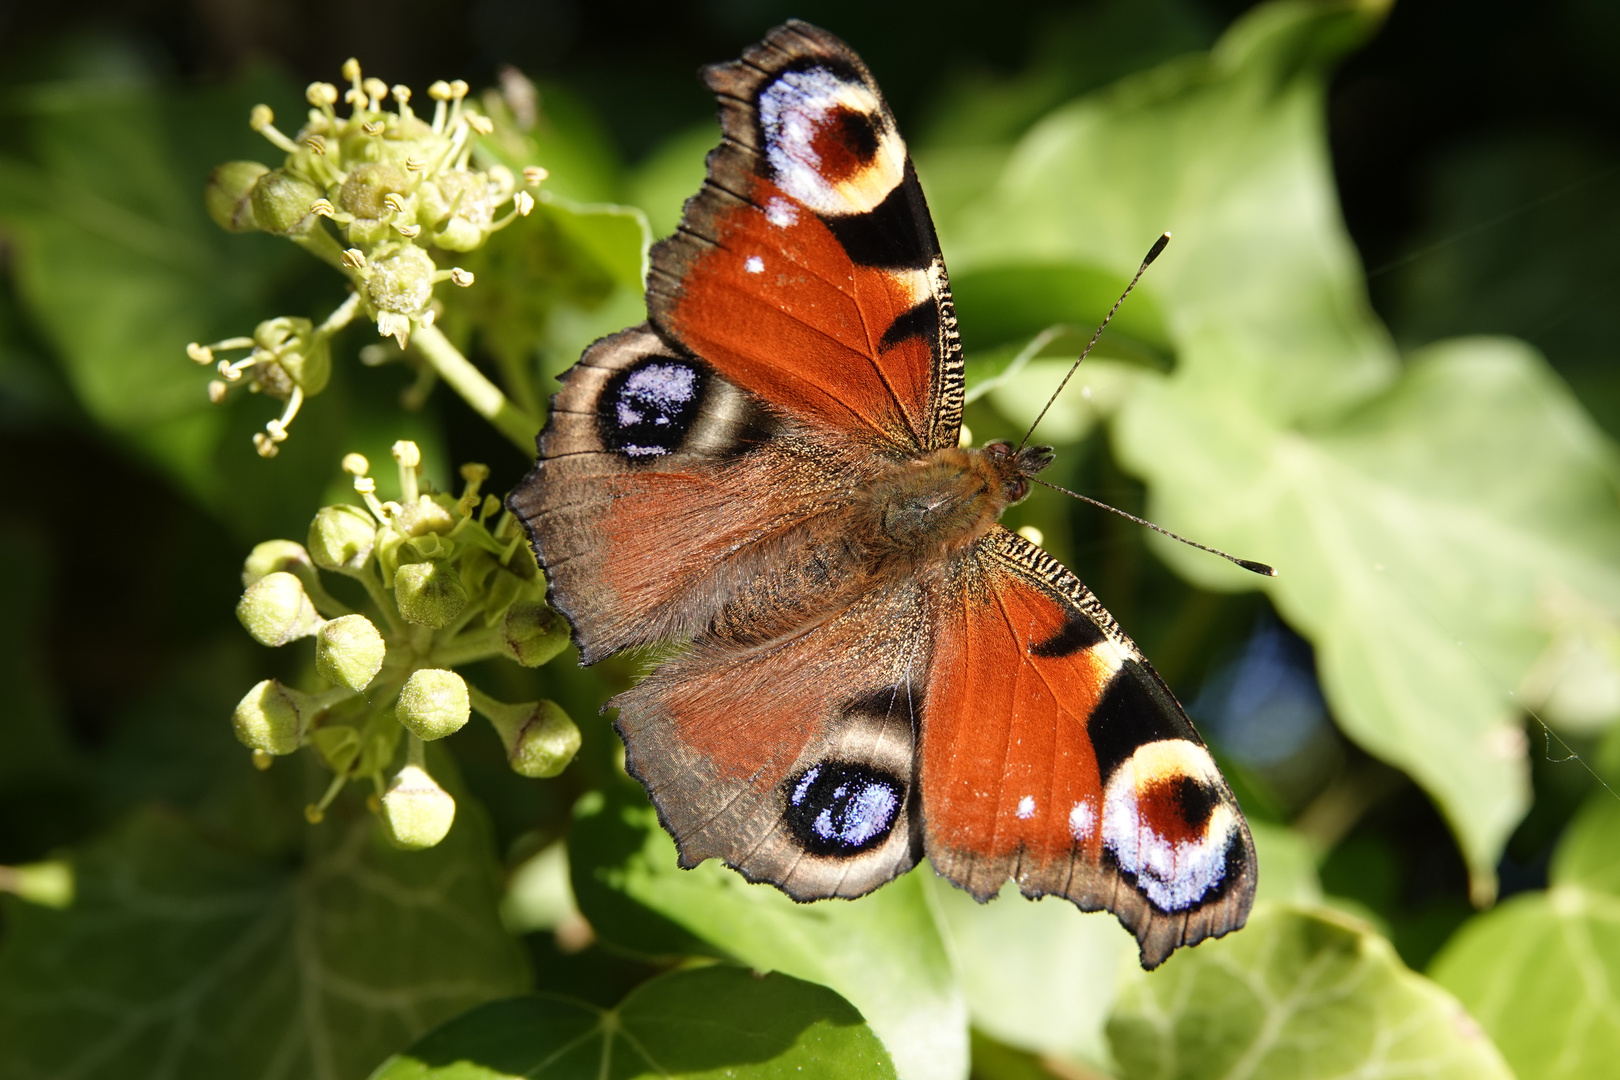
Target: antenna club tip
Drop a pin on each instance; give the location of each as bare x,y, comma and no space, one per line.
1158,247
1258,567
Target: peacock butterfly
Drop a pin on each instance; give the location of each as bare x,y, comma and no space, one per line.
869,669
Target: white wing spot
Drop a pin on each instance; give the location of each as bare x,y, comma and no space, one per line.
1082,819
1026,808
781,213
754,265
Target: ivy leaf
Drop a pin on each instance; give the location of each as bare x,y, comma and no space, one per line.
189,959
714,1021
1299,994
1421,517
882,952
1541,972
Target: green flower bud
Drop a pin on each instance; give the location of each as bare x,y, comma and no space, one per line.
416,812
533,633
423,516
429,593
367,185
275,610
274,555
281,203
49,884
402,282
458,234
303,356
539,737
349,652
338,745
272,717
433,703
341,537
229,195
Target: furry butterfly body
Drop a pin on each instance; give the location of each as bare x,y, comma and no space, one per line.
869,668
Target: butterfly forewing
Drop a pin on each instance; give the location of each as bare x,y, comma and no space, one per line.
807,269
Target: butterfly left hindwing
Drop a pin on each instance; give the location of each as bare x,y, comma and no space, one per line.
869,668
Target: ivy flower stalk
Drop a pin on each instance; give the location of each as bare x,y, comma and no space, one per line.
375,194
449,581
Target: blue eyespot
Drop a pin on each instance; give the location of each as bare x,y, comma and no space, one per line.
841,808
646,410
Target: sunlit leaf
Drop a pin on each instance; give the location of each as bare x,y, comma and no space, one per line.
1297,995
713,1022
883,952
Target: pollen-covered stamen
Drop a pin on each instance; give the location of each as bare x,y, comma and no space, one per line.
324,208
440,93
409,458
217,391
354,259
316,144
402,97
462,278
262,120
533,174
522,202
376,90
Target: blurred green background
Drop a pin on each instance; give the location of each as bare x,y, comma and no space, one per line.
1475,158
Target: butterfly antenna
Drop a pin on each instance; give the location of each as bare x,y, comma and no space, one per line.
1248,564
1153,253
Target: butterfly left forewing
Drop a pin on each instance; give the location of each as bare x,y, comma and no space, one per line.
1053,754
806,269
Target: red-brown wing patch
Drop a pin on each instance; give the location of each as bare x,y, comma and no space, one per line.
663,493
1052,754
807,270
791,761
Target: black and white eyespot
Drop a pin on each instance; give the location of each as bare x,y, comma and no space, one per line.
842,808
829,142
1168,824
646,410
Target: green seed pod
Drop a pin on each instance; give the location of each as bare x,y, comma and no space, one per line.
539,737
533,633
402,282
229,195
338,745
433,703
368,185
272,717
429,593
271,556
275,610
416,812
349,652
341,537
281,203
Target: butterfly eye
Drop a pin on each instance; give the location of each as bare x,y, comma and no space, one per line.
998,449
1017,490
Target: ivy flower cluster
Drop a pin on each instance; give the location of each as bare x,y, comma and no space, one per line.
450,580
374,193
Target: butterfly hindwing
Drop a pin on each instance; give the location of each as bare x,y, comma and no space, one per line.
806,269
792,761
1053,754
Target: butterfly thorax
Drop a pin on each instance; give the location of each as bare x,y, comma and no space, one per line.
929,508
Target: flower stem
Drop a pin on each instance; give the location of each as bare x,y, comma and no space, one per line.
484,396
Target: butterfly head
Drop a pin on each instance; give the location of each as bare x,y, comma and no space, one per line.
1015,465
